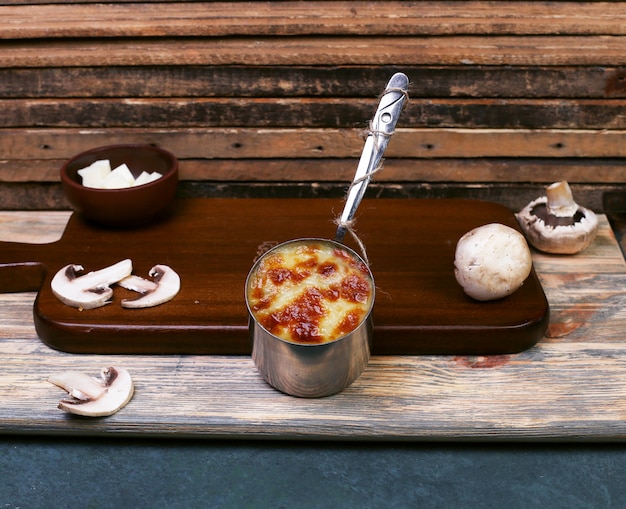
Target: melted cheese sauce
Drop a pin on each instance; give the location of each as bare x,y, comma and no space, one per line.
310,292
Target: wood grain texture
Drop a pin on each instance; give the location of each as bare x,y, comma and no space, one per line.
181,113
398,172
438,81
507,92
262,156
212,243
533,50
568,387
312,143
193,19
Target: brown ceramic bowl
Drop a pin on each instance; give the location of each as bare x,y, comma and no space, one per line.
127,207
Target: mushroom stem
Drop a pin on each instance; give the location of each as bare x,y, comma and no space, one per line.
560,200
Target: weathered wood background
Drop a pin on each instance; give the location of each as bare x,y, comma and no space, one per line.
506,96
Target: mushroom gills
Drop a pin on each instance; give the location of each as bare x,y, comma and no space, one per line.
94,397
551,220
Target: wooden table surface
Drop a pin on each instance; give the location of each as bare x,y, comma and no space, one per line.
570,386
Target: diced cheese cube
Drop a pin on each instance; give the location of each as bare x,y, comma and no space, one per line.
114,181
145,177
124,171
119,178
95,173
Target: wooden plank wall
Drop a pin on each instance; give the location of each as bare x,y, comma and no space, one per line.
506,96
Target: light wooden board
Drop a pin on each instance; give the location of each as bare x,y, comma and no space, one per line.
570,386
189,19
312,50
318,143
405,170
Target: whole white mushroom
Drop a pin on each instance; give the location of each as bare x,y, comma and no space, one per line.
492,261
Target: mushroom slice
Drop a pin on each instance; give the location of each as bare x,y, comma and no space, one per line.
78,385
555,223
91,290
138,284
164,286
95,397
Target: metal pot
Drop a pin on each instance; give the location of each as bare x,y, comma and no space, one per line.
311,370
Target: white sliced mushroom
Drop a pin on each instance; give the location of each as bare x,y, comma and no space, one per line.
164,286
138,284
95,397
78,385
91,290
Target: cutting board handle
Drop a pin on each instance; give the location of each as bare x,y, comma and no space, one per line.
19,269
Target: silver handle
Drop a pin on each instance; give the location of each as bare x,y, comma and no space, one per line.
382,127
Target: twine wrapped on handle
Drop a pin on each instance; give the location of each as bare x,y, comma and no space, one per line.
348,225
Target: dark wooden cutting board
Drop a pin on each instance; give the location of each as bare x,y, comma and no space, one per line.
212,243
